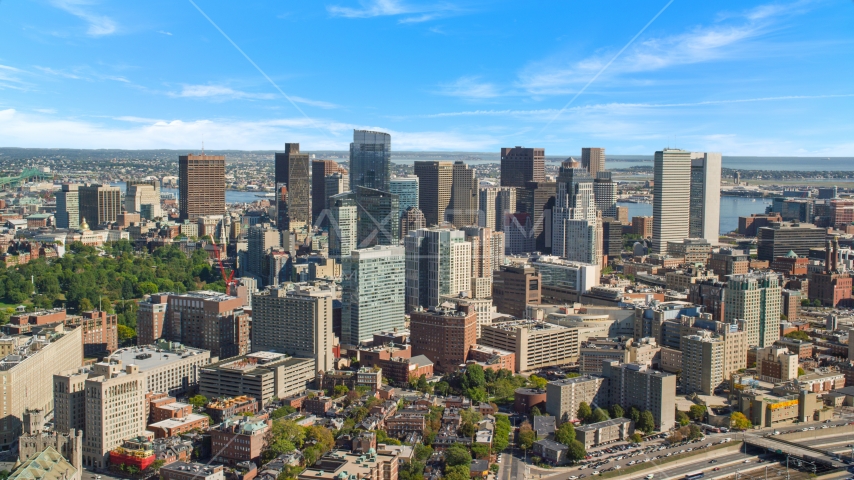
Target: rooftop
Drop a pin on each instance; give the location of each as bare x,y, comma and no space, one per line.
149,357
570,381
607,423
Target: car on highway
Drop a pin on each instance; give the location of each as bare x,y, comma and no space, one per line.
713,461
746,461
651,475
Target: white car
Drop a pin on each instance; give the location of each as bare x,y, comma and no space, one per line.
651,475
595,472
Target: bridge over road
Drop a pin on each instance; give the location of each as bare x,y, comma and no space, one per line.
803,452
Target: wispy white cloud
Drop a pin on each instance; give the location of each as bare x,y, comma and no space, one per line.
164,32
56,73
47,111
27,130
314,103
218,92
618,108
469,87
99,25
411,13
730,36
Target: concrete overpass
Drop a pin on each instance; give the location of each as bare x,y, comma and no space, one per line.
798,450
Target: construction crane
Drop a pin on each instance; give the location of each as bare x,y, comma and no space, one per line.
229,280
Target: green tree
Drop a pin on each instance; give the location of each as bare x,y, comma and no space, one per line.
423,452
565,433
85,305
340,390
694,432
155,467
805,302
697,412
457,472
739,421
576,451
816,303
442,388
501,438
282,411
527,436
474,377
599,415
584,412
646,423
284,436
412,470
616,411
798,335
535,411
537,382
480,450
636,437
198,401
457,454
125,333
633,414
682,418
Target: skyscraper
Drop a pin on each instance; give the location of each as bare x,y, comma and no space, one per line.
435,180
406,189
438,262
487,254
577,231
593,159
260,239
140,194
201,186
378,217
412,219
705,196
521,165
320,169
537,199
755,298
372,293
671,198
505,203
605,193
463,203
370,160
333,184
68,206
343,225
487,207
99,203
292,172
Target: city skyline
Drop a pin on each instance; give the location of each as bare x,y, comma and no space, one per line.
98,75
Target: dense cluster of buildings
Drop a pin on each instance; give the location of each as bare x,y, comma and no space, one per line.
357,280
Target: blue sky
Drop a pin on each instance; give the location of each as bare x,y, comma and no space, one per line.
742,78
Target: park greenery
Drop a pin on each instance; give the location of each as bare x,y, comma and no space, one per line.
112,279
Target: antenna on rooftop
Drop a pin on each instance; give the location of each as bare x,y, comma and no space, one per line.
203,148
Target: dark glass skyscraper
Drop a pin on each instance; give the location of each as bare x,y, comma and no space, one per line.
370,160
292,175
521,165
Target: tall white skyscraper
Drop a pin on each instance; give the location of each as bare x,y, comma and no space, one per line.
487,203
671,198
438,262
577,228
343,225
68,206
372,293
705,216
